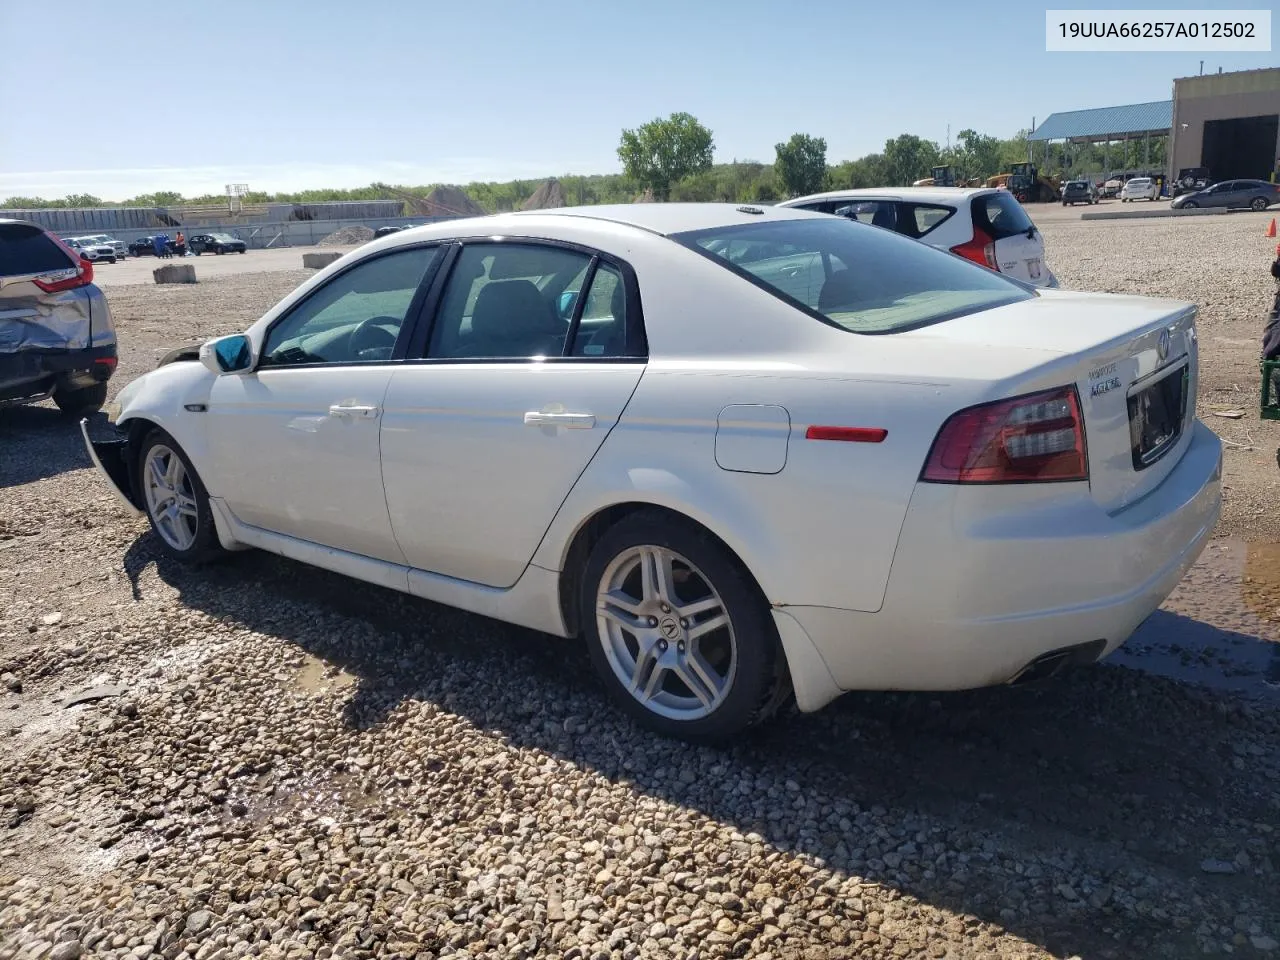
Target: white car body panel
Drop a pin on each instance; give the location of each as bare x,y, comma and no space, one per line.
855,556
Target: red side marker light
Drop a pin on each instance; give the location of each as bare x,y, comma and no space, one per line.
849,434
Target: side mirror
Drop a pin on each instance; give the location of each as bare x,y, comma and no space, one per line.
568,300
231,354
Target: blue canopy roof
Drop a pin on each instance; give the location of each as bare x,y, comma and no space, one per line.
1107,122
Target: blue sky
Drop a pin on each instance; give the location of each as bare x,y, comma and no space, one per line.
284,94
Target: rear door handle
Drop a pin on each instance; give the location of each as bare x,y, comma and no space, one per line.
353,411
570,421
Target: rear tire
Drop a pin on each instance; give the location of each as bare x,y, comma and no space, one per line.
84,402
693,637
175,501
1258,204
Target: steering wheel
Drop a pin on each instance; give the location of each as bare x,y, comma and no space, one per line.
377,335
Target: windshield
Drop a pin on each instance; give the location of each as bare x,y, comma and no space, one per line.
852,275
1140,182
222,237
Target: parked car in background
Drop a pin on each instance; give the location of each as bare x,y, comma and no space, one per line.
119,246
91,251
1139,188
218,243
146,247
987,226
386,231
1190,180
854,462
1110,188
56,334
1078,191
1240,194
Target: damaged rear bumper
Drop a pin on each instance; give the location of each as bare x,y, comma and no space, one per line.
111,458
38,372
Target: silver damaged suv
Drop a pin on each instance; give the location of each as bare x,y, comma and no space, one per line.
56,335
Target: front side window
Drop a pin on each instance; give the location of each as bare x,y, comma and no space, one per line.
508,300
355,318
865,281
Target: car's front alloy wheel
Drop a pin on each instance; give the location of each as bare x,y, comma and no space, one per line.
678,631
176,501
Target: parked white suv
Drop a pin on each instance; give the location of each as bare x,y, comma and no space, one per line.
106,240
984,225
1140,188
91,251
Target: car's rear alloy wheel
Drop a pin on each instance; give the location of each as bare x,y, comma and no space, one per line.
176,501
679,633
1259,204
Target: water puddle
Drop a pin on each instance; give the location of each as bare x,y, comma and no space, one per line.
318,676
1221,626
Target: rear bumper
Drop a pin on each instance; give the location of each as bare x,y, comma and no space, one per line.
111,459
29,373
977,594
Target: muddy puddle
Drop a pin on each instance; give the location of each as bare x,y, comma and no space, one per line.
1221,626
318,676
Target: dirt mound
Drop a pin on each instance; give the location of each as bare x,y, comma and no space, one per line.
449,202
646,197
347,236
549,194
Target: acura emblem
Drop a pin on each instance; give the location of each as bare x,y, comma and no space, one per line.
1162,348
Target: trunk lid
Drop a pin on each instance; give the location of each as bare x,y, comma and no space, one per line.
1133,360
1019,248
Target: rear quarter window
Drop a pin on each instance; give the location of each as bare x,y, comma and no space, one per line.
26,249
1000,215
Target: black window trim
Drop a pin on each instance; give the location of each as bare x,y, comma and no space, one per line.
636,339
406,328
689,240
900,203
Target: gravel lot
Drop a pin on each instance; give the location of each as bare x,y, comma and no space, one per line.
283,763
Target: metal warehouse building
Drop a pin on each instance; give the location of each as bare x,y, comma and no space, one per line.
1228,122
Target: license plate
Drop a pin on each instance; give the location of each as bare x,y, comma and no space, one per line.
1033,267
1156,416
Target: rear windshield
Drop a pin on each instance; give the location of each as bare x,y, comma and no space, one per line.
1000,215
853,275
24,249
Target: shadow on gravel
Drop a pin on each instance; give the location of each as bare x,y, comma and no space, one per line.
1131,779
40,442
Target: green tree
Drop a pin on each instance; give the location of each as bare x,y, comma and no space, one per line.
661,153
801,164
868,171
976,154
83,200
908,158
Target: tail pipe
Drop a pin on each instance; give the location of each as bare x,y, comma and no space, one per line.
1055,661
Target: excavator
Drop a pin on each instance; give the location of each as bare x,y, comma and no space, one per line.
946,177
1025,183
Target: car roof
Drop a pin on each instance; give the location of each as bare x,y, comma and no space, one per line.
952,196
669,218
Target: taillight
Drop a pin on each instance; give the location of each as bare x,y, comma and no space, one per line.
56,281
1034,438
981,250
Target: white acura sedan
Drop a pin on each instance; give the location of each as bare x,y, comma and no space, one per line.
745,453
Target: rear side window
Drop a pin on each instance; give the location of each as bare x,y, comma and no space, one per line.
853,277
26,249
907,218
1000,215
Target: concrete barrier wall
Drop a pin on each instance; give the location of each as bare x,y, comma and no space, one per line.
294,233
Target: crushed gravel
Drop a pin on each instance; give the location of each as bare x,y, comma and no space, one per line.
346,236
290,764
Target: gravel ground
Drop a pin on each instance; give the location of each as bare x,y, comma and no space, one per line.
279,762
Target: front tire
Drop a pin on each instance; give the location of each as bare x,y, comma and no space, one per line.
678,632
1190,205
175,501
84,402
